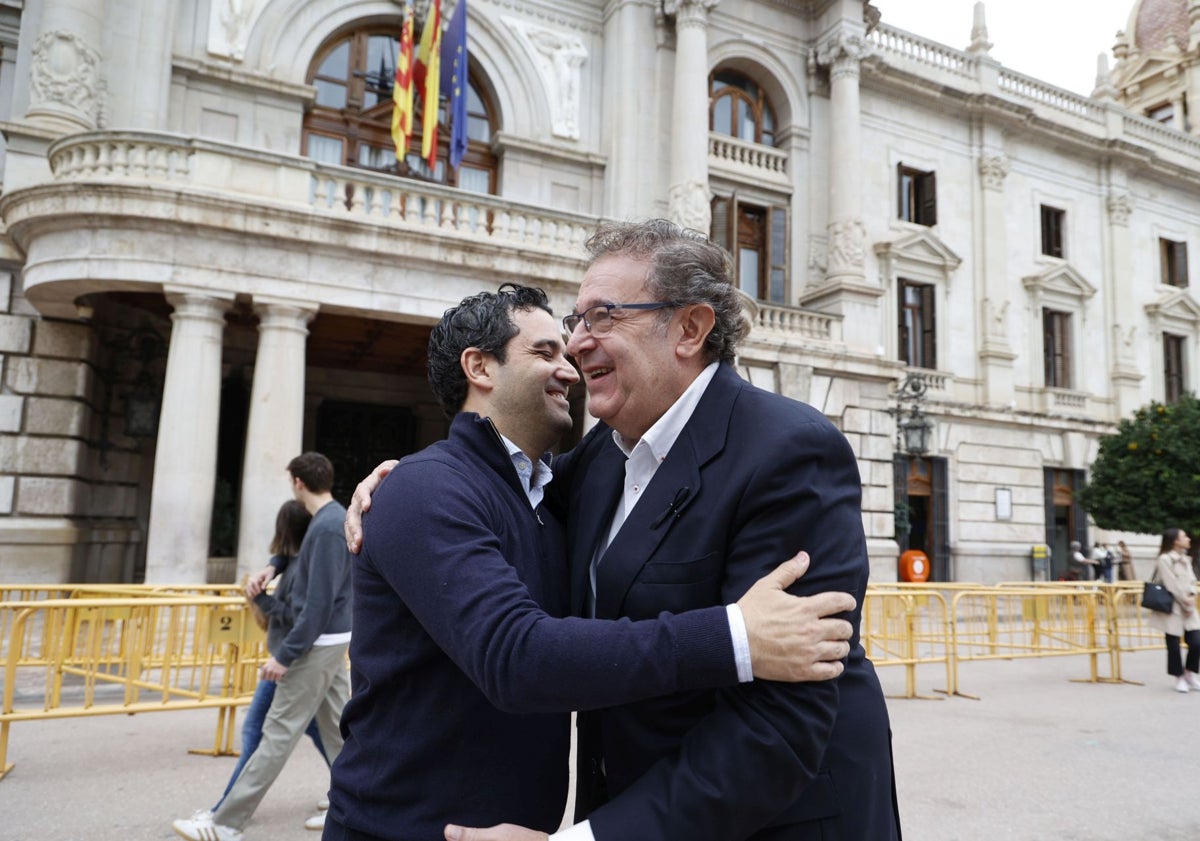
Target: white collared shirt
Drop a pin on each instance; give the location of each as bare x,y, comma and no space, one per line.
534,475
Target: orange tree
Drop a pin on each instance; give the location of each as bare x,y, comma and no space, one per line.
1146,476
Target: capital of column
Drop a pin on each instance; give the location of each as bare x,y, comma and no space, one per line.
197,306
994,169
691,205
279,315
1120,205
688,11
843,51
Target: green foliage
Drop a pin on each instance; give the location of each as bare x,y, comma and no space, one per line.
1144,478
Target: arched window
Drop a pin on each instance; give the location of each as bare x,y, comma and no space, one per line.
350,122
738,107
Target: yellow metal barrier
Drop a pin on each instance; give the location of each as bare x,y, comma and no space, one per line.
908,627
102,656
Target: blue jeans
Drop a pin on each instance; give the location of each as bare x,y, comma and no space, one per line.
256,714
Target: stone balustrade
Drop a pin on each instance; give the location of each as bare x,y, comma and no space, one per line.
809,324
897,42
296,182
747,159
1034,90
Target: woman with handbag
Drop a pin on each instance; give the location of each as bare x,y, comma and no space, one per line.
1173,570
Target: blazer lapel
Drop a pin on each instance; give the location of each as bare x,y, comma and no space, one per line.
675,484
591,514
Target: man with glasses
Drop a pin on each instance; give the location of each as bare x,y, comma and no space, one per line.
462,674
677,499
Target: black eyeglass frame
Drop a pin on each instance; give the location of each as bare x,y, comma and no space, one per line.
570,322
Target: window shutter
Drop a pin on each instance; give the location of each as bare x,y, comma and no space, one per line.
777,254
1181,266
928,328
929,199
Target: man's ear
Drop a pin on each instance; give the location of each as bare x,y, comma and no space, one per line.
696,321
477,366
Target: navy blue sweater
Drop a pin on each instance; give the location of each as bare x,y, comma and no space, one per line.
462,676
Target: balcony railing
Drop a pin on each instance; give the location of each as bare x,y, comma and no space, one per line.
271,179
779,319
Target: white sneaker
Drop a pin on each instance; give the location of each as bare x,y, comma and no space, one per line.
200,827
1193,680
323,804
316,821
1181,685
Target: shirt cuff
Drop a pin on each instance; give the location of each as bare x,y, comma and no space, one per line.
578,832
741,643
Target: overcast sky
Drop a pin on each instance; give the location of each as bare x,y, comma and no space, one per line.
1056,41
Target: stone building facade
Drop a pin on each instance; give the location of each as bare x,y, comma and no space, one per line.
211,259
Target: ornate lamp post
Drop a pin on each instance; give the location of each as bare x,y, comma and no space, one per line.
914,429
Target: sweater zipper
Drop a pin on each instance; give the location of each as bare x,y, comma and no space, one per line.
500,440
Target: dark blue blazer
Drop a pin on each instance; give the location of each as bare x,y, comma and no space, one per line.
752,479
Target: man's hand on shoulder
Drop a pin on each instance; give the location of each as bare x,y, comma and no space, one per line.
795,638
500,832
361,503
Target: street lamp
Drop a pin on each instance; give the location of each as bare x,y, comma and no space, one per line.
914,429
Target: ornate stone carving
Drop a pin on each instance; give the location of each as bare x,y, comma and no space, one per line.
994,169
65,72
846,249
1120,205
997,318
691,206
842,49
673,7
558,57
1125,337
229,25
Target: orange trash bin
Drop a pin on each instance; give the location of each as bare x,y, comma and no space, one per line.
914,566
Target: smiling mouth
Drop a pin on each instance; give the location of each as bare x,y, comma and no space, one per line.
599,372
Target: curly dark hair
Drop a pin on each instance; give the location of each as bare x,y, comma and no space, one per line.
482,321
685,267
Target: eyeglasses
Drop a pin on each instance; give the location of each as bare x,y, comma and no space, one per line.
598,320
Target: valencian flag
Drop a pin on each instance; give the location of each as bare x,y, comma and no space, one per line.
402,88
428,77
454,80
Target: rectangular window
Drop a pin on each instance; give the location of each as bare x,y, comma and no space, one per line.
1056,345
918,325
1173,365
1164,114
1053,221
1173,259
757,238
917,190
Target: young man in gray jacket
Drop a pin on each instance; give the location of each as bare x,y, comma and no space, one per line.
308,636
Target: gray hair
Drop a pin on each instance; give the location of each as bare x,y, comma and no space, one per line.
686,267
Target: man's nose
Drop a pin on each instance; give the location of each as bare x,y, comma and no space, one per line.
579,339
567,372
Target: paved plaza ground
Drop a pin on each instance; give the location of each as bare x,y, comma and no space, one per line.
1037,758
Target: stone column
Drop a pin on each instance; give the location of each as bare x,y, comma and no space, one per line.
1126,378
138,62
995,354
65,79
842,53
689,194
185,462
629,134
275,427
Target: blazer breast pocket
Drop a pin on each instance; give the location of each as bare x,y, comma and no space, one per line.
670,571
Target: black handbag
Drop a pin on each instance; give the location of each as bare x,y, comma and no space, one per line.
1156,597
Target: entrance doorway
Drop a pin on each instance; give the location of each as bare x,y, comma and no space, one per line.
1065,520
922,510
